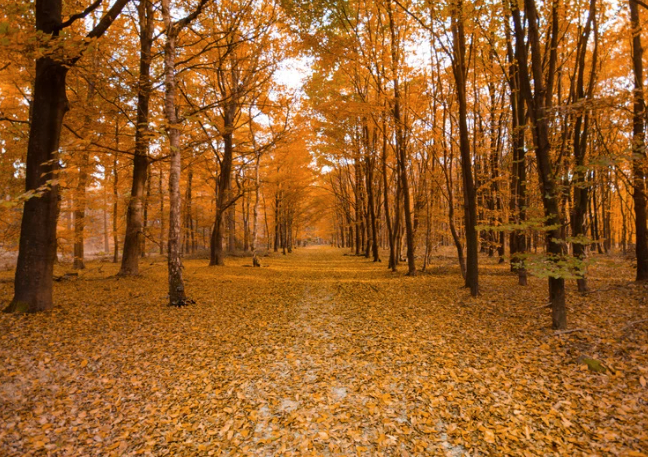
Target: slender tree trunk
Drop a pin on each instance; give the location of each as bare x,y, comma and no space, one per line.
105,212
246,221
80,204
80,201
470,206
115,213
580,134
161,192
188,224
177,295
537,99
255,210
372,209
147,200
401,147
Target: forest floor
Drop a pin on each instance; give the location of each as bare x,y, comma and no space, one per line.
318,353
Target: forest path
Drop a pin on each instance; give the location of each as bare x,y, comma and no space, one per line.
316,353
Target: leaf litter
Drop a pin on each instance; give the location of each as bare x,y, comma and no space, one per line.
326,355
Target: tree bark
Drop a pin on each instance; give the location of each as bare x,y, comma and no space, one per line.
470,205
37,246
581,130
537,99
134,226
217,255
177,296
80,202
638,147
401,148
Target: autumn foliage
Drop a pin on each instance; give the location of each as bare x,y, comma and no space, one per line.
447,156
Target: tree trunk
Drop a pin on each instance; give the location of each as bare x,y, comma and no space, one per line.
105,212
217,255
134,230
37,248
537,99
80,202
470,206
401,147
147,200
79,212
161,192
581,128
177,295
188,221
115,213
638,147
255,210
372,208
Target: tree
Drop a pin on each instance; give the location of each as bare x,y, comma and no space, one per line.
538,98
638,145
470,209
37,251
177,296
134,216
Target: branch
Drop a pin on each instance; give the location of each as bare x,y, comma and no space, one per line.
108,19
565,332
182,23
81,15
640,3
632,324
93,143
13,121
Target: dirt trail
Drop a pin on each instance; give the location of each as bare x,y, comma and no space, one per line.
317,353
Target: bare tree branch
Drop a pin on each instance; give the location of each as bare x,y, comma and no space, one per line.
78,16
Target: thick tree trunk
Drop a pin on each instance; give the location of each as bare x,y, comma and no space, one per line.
37,248
639,147
134,226
217,255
